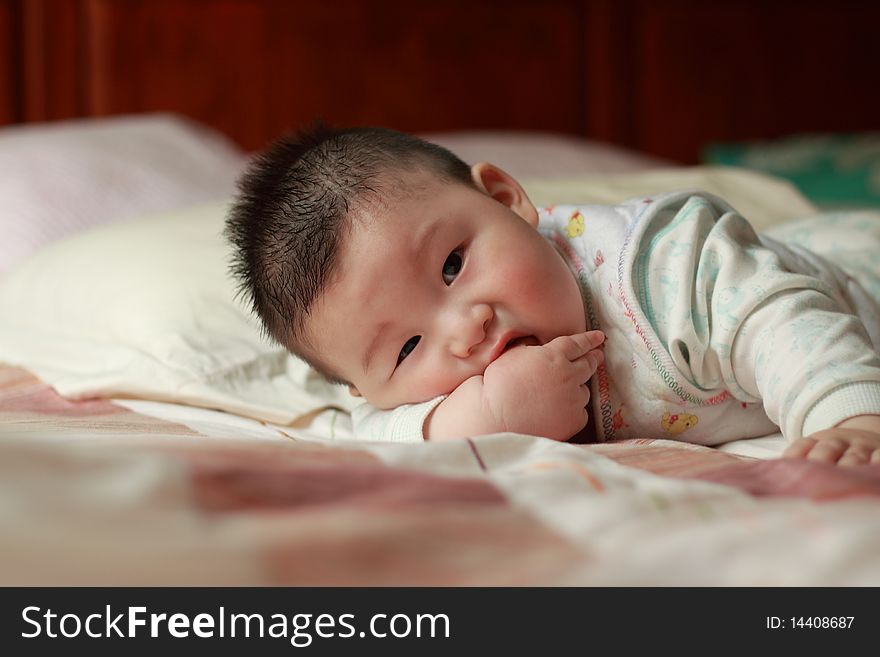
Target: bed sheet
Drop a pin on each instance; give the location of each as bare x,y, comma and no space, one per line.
207,503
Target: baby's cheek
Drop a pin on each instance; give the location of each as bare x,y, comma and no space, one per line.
530,283
559,299
430,381
440,380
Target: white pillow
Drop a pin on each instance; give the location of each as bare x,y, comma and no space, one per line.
58,178
146,308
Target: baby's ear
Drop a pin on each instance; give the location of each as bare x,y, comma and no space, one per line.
354,392
504,188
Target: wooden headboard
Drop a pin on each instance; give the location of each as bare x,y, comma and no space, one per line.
662,77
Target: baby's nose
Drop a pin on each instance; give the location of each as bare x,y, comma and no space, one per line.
470,330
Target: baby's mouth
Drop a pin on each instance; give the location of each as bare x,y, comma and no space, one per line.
511,341
522,341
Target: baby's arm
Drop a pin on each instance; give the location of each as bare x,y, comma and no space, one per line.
762,322
537,390
402,424
855,441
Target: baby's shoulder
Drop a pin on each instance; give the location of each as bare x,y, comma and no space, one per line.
576,219
585,221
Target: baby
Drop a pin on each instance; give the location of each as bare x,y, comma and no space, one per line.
440,294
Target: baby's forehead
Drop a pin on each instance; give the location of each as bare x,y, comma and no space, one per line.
402,211
384,209
393,187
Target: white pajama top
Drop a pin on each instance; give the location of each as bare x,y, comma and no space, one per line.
713,333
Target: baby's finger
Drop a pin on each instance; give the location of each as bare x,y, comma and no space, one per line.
594,358
857,454
586,365
799,448
828,450
585,394
596,337
575,346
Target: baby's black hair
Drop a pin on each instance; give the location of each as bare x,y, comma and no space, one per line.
293,207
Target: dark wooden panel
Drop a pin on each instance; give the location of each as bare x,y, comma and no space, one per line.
8,62
51,62
664,77
733,70
255,69
610,70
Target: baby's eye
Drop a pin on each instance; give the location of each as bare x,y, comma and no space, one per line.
452,266
408,347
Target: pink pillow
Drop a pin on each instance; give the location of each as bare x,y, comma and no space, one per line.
59,178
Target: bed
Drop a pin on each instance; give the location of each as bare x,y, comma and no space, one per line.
149,434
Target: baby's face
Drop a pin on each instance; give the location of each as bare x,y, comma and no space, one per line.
430,290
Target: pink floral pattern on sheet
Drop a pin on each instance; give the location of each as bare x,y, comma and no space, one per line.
22,391
158,503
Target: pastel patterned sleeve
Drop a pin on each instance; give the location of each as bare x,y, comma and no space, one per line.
735,315
403,424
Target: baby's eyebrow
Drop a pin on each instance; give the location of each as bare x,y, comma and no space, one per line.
423,241
374,343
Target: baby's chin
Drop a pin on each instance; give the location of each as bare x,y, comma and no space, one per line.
390,402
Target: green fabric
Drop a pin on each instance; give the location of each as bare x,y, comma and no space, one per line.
833,171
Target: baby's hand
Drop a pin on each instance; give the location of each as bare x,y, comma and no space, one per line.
542,390
853,442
